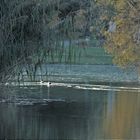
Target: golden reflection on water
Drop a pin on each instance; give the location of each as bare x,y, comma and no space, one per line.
122,121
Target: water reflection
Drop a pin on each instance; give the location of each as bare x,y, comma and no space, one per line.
79,115
123,121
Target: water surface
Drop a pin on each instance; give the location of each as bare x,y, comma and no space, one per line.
69,113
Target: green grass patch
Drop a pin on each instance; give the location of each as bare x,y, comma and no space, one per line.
77,55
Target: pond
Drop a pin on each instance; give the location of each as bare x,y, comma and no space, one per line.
68,111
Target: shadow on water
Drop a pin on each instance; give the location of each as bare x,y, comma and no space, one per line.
70,114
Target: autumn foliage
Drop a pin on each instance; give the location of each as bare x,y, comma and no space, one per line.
124,41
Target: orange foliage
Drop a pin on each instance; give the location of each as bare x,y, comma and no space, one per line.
124,42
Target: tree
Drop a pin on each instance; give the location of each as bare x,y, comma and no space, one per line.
124,42
30,30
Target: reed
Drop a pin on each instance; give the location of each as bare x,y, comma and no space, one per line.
34,32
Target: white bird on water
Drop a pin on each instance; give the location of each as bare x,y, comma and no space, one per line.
45,83
48,84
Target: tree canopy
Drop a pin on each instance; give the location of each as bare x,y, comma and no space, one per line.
30,30
124,42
